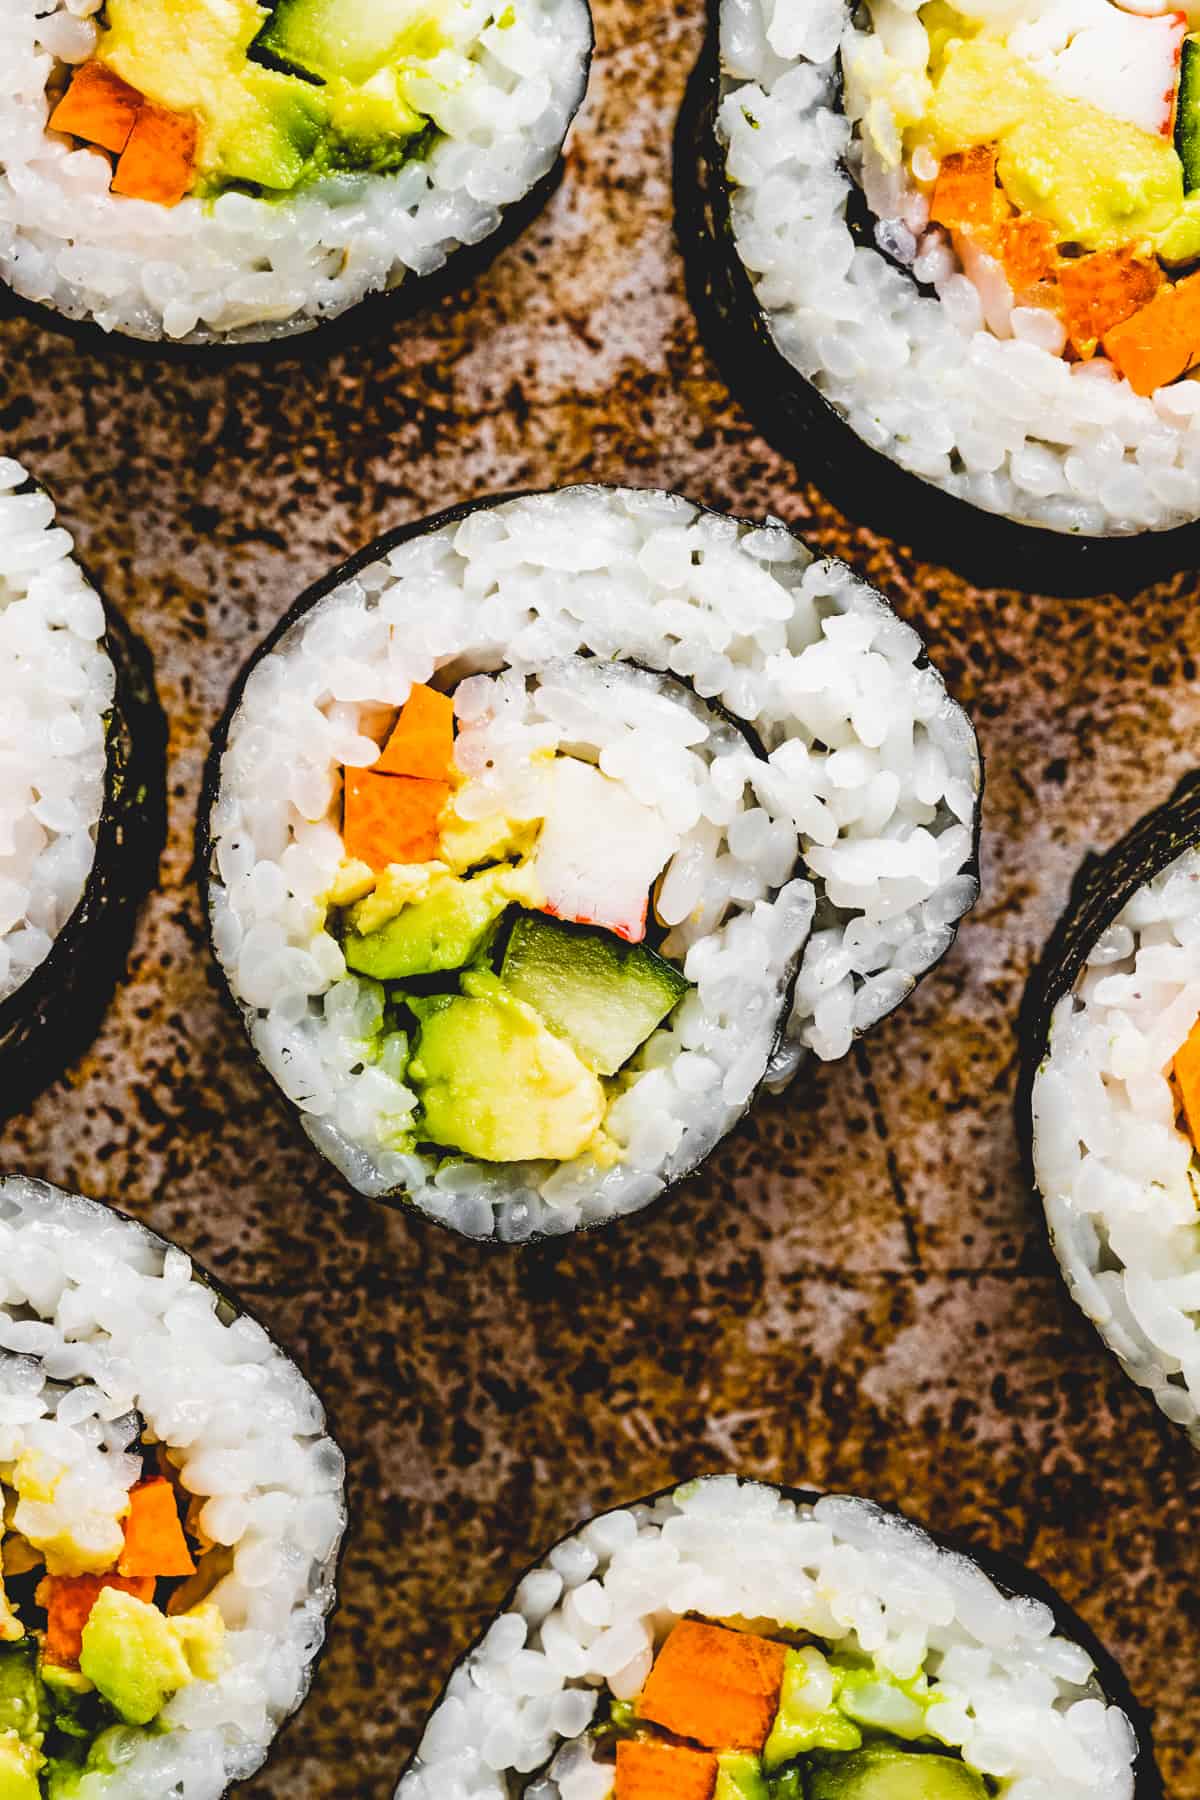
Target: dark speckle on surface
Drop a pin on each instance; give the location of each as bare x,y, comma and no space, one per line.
858,1293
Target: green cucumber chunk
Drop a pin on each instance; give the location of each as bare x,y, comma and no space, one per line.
1187,115
352,39
21,1701
604,996
881,1773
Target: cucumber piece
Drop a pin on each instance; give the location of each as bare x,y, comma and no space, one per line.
1187,114
350,39
881,1773
604,996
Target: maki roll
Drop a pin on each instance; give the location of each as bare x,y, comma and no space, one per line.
171,1515
225,172
735,1641
541,833
1110,1105
963,240
82,801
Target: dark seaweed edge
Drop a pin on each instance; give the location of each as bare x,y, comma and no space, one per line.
359,325
802,425
1103,885
1006,1570
52,1018
210,791
230,1307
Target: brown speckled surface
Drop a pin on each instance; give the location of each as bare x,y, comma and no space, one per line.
858,1293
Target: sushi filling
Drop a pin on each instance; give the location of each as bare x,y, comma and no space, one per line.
727,1642
1116,1106
104,1573
516,910
1051,155
57,684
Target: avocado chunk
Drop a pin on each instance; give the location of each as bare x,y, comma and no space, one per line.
740,1777
495,1083
19,1765
132,1656
809,1716
21,1692
353,39
1187,114
604,996
881,1773
443,930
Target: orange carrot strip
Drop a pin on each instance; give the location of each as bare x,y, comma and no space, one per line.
648,1771
68,1600
423,741
964,193
1186,1071
1028,251
1162,341
1104,290
391,818
719,1687
154,1540
159,161
98,107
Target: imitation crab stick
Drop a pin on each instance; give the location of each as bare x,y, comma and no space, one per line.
1161,341
98,107
1186,1071
159,161
422,743
964,194
648,1771
1101,291
68,1600
718,1687
391,818
154,1540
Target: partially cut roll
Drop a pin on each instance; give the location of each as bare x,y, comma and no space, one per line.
540,835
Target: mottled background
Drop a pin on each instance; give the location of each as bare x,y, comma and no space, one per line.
859,1292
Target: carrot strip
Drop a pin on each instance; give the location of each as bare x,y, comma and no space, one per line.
965,190
1104,290
391,818
649,1771
98,107
1161,341
1028,252
718,1687
159,161
154,1540
68,1600
423,742
1186,1070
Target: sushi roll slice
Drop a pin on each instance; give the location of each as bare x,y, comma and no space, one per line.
541,833
170,1519
948,258
82,801
212,172
735,1641
1110,1104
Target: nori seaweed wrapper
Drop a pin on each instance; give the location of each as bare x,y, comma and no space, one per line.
792,414
210,792
370,318
1008,1573
54,1015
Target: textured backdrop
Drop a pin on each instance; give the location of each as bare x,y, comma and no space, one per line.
858,1293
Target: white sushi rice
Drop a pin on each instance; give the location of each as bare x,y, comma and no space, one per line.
872,772
985,408
1021,1701
1118,1177
243,269
100,1319
56,688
